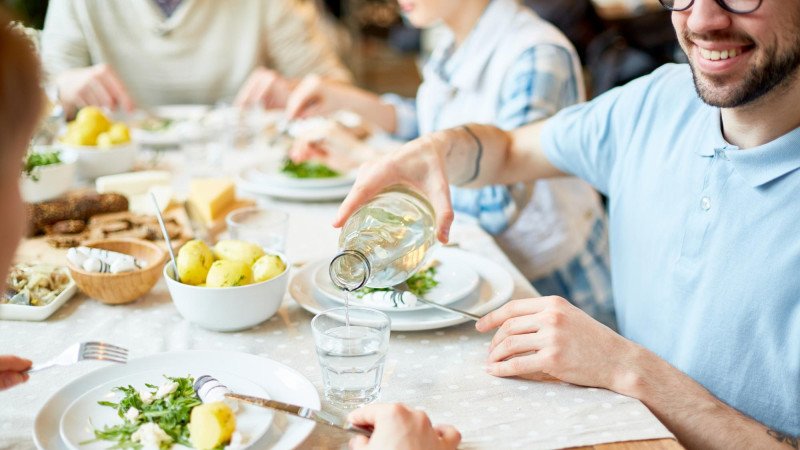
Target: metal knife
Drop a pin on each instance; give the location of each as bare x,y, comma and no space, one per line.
304,412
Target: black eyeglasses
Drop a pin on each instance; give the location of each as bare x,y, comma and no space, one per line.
734,6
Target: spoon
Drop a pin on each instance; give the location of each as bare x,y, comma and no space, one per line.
166,237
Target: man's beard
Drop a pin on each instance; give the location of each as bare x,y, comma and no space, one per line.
777,71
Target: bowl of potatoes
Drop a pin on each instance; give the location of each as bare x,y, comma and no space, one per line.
102,147
233,286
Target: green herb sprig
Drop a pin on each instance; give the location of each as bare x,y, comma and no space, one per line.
307,169
36,159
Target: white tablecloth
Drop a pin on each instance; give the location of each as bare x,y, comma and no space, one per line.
438,371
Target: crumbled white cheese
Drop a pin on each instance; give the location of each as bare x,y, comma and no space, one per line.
131,414
166,388
237,441
146,397
389,299
150,435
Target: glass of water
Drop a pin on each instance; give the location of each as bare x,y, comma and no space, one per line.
351,347
261,226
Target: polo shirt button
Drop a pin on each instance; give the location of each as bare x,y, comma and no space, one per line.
705,203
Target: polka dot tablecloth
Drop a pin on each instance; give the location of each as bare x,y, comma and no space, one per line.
439,371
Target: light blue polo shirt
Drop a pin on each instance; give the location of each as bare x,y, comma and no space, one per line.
705,238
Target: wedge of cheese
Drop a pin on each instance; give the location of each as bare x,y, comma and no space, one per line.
133,183
211,197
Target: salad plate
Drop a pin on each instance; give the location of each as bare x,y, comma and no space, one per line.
85,414
164,131
456,280
495,289
280,383
270,174
250,180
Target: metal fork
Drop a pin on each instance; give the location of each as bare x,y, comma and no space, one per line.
406,296
84,350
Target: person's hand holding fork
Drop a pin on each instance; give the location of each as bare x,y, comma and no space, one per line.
11,368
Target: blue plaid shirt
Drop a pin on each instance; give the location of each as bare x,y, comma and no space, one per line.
540,82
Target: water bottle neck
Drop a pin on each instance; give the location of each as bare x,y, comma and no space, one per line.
350,270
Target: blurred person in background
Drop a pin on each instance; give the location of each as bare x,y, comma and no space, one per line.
21,104
500,65
121,53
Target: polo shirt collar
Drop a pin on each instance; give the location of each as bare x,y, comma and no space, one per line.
759,165
768,162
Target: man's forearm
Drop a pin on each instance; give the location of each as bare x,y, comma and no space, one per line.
697,418
479,155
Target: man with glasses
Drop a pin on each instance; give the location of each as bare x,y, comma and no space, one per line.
700,163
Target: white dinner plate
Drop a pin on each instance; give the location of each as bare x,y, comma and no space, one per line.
496,287
456,278
249,180
85,414
24,312
270,174
170,136
277,380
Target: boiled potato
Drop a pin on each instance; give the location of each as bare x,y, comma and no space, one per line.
246,252
268,267
104,140
210,425
194,262
227,273
77,135
92,119
119,133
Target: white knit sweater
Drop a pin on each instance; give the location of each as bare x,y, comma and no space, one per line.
203,53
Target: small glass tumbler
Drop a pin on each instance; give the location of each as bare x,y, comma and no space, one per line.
351,348
261,226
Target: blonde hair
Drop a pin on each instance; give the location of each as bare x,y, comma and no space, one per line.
21,96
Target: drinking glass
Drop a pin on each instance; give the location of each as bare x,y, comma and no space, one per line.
351,347
261,226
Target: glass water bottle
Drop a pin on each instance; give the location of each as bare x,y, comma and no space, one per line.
385,241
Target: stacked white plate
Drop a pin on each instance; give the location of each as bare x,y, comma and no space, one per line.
170,135
267,179
64,420
466,281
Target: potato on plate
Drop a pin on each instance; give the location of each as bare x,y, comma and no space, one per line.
211,424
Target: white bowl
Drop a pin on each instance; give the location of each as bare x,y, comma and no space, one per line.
228,308
96,161
52,180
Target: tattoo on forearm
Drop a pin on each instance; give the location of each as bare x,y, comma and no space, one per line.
477,157
791,441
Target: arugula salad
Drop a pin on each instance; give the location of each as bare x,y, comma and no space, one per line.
156,416
307,169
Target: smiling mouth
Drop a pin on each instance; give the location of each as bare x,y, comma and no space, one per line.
716,55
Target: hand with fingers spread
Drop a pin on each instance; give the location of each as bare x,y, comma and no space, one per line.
11,368
397,427
332,144
97,85
264,87
550,335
